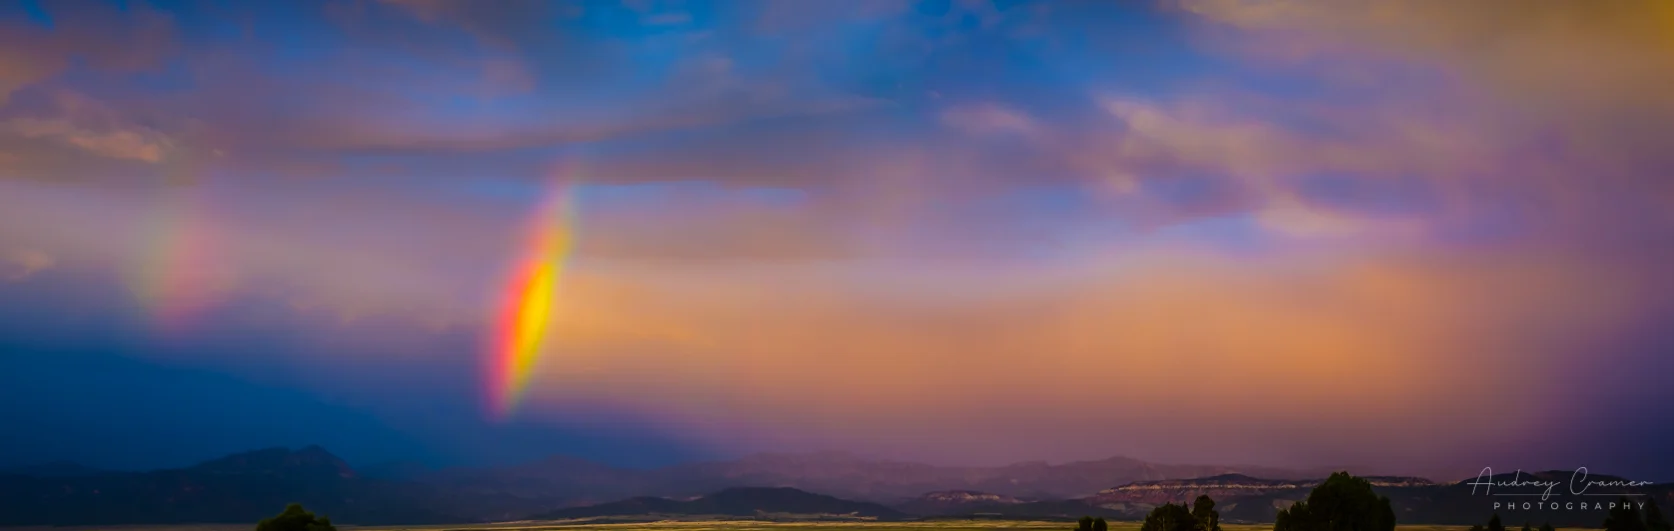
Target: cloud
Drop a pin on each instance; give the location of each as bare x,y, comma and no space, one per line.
97,34
778,18
1567,58
21,263
93,127
989,119
403,101
1137,153
509,25
1577,88
129,144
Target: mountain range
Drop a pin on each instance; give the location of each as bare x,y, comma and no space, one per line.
835,473
736,502
248,486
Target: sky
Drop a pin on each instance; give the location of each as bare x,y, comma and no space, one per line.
1411,237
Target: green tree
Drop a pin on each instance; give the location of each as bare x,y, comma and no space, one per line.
1085,524
1100,525
1494,523
1208,519
295,518
1170,517
1624,517
1342,503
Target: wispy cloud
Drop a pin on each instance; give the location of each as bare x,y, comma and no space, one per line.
90,126
21,263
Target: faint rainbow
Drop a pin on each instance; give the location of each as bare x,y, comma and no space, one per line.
523,316
174,276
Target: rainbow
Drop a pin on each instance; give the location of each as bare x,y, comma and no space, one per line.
174,276
524,312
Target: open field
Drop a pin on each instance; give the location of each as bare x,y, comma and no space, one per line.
741,525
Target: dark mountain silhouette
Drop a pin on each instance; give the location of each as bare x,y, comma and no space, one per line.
395,470
736,502
570,480
310,462
238,488
55,469
640,505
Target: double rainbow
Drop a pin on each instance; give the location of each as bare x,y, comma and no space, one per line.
525,307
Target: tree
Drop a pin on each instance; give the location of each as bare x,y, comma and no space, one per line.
1547,527
1208,519
295,518
1624,517
1494,523
1342,503
1170,517
1526,526
1654,521
1100,525
1086,524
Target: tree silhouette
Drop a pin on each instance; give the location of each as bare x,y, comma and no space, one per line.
1170,517
1624,517
1526,526
1547,527
1654,521
1088,523
295,518
1342,503
1494,523
1208,519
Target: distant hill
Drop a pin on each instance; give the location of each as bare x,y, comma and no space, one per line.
571,480
56,469
310,462
1221,487
395,470
748,502
955,502
239,488
835,473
